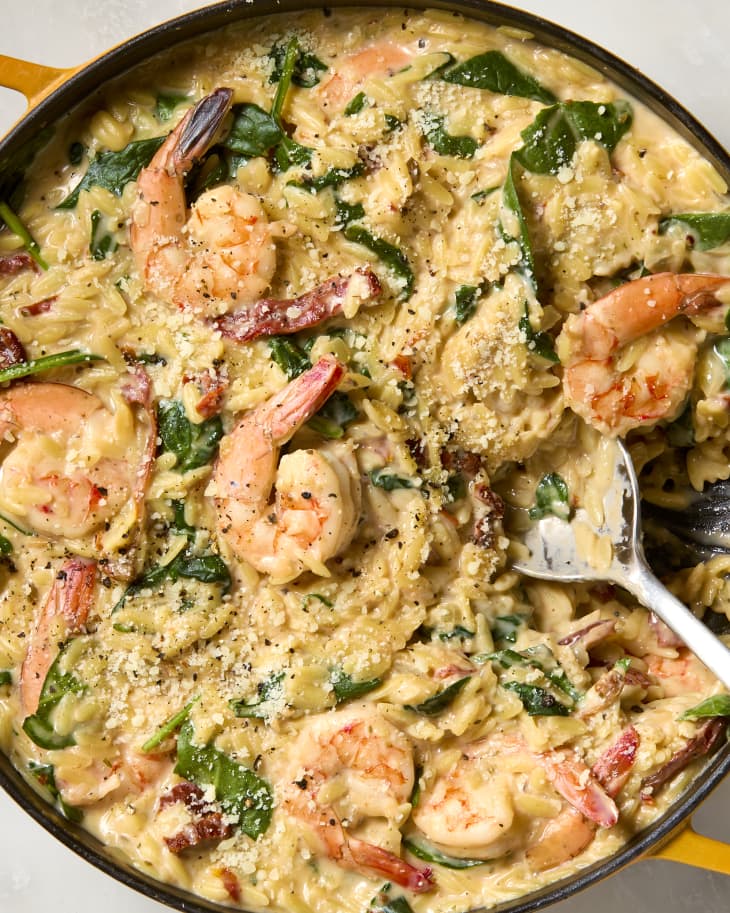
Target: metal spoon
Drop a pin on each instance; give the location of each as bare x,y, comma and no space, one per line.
556,555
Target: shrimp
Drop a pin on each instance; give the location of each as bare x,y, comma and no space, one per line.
47,481
64,613
656,384
681,676
223,252
366,765
474,808
317,500
383,59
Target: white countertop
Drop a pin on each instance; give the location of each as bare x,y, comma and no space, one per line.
682,45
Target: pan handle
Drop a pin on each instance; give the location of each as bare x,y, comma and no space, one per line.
32,79
695,849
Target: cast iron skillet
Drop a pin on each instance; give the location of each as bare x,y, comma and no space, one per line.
671,837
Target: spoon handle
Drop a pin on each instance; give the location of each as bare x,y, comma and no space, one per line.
652,594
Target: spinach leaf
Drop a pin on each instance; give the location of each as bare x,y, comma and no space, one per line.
388,254
495,72
385,904
114,170
540,658
511,201
538,341
456,487
356,104
6,548
253,131
466,299
392,123
47,363
457,631
722,350
443,142
39,727
552,138
681,432
334,416
347,212
287,152
346,688
76,153
170,726
239,790
166,103
45,775
100,244
271,689
288,356
483,194
18,228
537,701
707,229
551,497
438,702
6,677
431,854
307,66
389,481
331,178
505,627
318,596
717,705
194,445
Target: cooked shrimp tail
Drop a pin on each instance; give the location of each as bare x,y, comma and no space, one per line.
371,858
64,613
317,492
654,385
198,129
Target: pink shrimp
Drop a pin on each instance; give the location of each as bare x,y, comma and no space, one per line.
64,613
382,59
655,386
317,499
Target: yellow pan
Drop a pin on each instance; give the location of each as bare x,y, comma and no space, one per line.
51,92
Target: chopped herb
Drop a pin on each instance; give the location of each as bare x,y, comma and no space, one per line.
431,854
539,657
345,688
167,729
76,153
717,705
537,701
392,123
388,254
47,363
101,244
495,72
707,229
355,105
552,138
39,727
551,497
166,104
194,445
270,689
114,170
45,775
307,66
443,142
16,226
389,481
6,548
239,790
438,702
6,677
538,341
466,298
